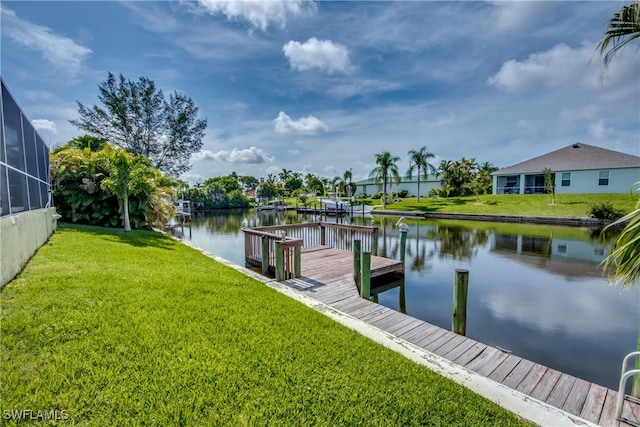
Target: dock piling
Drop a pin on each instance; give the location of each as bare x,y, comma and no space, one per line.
279,262
403,245
460,291
357,261
365,275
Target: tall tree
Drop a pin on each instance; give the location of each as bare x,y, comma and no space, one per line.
385,170
347,179
137,118
622,28
284,175
419,160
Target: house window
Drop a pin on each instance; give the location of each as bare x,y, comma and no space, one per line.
603,179
566,179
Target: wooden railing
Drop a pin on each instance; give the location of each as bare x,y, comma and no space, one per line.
277,249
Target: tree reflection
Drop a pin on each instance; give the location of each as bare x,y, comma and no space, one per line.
459,243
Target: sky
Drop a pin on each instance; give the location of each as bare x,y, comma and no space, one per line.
321,87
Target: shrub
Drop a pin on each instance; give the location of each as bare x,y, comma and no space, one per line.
605,211
376,195
403,193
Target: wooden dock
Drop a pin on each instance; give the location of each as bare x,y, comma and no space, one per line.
327,276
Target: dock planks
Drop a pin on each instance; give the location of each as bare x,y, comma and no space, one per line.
327,276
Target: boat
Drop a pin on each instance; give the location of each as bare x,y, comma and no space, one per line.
334,202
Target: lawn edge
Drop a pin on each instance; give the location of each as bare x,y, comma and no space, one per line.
512,400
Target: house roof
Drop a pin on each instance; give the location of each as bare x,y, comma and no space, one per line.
577,156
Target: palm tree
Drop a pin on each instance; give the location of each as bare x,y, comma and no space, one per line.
622,28
623,260
284,175
623,265
386,168
129,175
420,160
348,177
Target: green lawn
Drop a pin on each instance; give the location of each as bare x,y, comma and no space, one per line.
566,205
135,328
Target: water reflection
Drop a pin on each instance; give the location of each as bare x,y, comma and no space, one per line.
535,290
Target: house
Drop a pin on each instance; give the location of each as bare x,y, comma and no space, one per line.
26,216
371,186
577,169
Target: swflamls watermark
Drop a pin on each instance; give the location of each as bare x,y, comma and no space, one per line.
35,415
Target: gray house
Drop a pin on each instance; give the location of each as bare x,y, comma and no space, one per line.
577,169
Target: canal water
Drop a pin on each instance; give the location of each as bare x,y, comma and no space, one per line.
536,291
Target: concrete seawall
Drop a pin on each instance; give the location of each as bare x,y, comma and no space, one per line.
572,222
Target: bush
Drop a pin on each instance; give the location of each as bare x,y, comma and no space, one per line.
403,193
605,211
376,195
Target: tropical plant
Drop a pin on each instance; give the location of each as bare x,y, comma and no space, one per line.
622,28
129,175
385,170
77,175
267,190
623,266
624,256
419,160
284,175
137,118
456,176
479,184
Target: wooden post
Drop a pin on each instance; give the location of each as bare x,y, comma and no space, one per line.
298,261
460,290
279,262
365,275
357,261
374,244
323,235
403,245
265,255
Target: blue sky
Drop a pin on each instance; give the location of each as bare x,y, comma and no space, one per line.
321,87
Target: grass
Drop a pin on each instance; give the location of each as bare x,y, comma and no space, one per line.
566,205
134,328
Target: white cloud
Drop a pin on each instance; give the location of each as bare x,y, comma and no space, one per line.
260,13
361,87
44,124
57,50
556,67
192,179
314,53
510,15
306,125
251,155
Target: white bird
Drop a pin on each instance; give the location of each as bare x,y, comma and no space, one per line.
401,225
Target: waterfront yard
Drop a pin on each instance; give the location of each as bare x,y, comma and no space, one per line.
117,328
566,205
